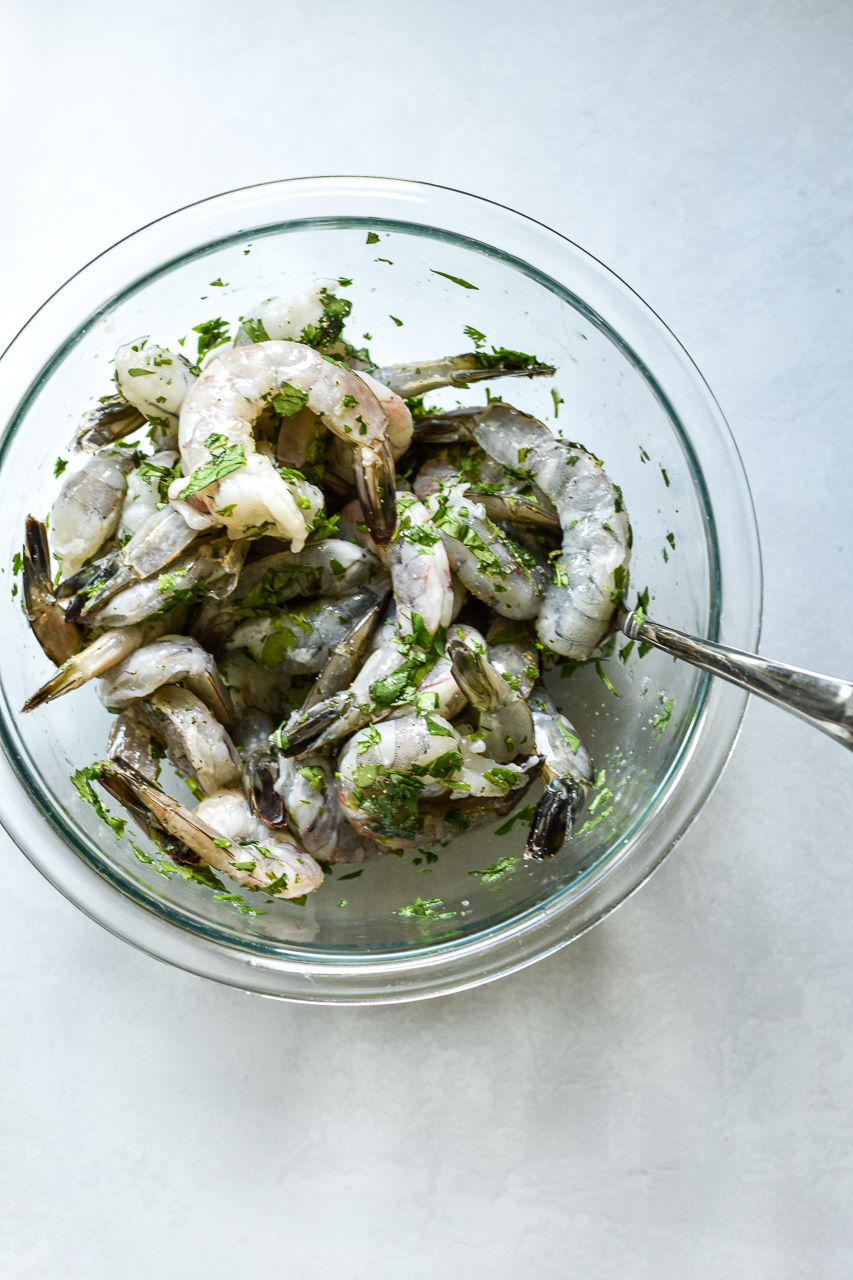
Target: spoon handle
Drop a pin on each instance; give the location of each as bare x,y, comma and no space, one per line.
821,701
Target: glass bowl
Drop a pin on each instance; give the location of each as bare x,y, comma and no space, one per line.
436,260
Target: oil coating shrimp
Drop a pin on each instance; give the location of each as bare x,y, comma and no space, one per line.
566,770
222,831
216,433
504,718
156,382
214,565
298,641
591,571
419,377
111,420
104,652
88,508
195,742
167,661
58,637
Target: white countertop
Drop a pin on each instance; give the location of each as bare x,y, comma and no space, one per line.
672,1096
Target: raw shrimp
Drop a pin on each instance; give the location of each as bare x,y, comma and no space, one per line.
491,565
195,742
504,718
320,724
144,491
261,766
212,565
88,508
131,742
592,570
254,686
388,769
346,658
566,770
58,637
314,316
298,641
113,419
222,831
163,536
421,376
104,652
218,447
156,382
309,791
167,661
513,654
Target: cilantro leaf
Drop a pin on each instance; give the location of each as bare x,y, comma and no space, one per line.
465,284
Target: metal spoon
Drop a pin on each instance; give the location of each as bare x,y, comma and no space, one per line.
821,701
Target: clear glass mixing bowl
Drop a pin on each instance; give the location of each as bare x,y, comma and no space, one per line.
626,389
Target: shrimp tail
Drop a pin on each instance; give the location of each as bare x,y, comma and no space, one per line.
554,818
260,775
308,729
97,658
113,419
375,482
58,637
345,659
152,807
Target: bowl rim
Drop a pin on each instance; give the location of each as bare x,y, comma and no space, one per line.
396,974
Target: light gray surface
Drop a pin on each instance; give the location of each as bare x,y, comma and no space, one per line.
671,1096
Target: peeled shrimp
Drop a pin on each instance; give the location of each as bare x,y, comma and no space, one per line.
214,565
298,641
504,718
216,432
156,382
591,571
223,832
166,661
104,652
88,508
195,742
566,770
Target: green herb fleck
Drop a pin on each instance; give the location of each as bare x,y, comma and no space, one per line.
465,284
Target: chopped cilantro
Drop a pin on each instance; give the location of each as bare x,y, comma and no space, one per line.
352,875
558,400
372,238
218,283
465,284
222,462
83,780
603,677
59,466
398,323
476,337
425,907
212,333
498,869
255,330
